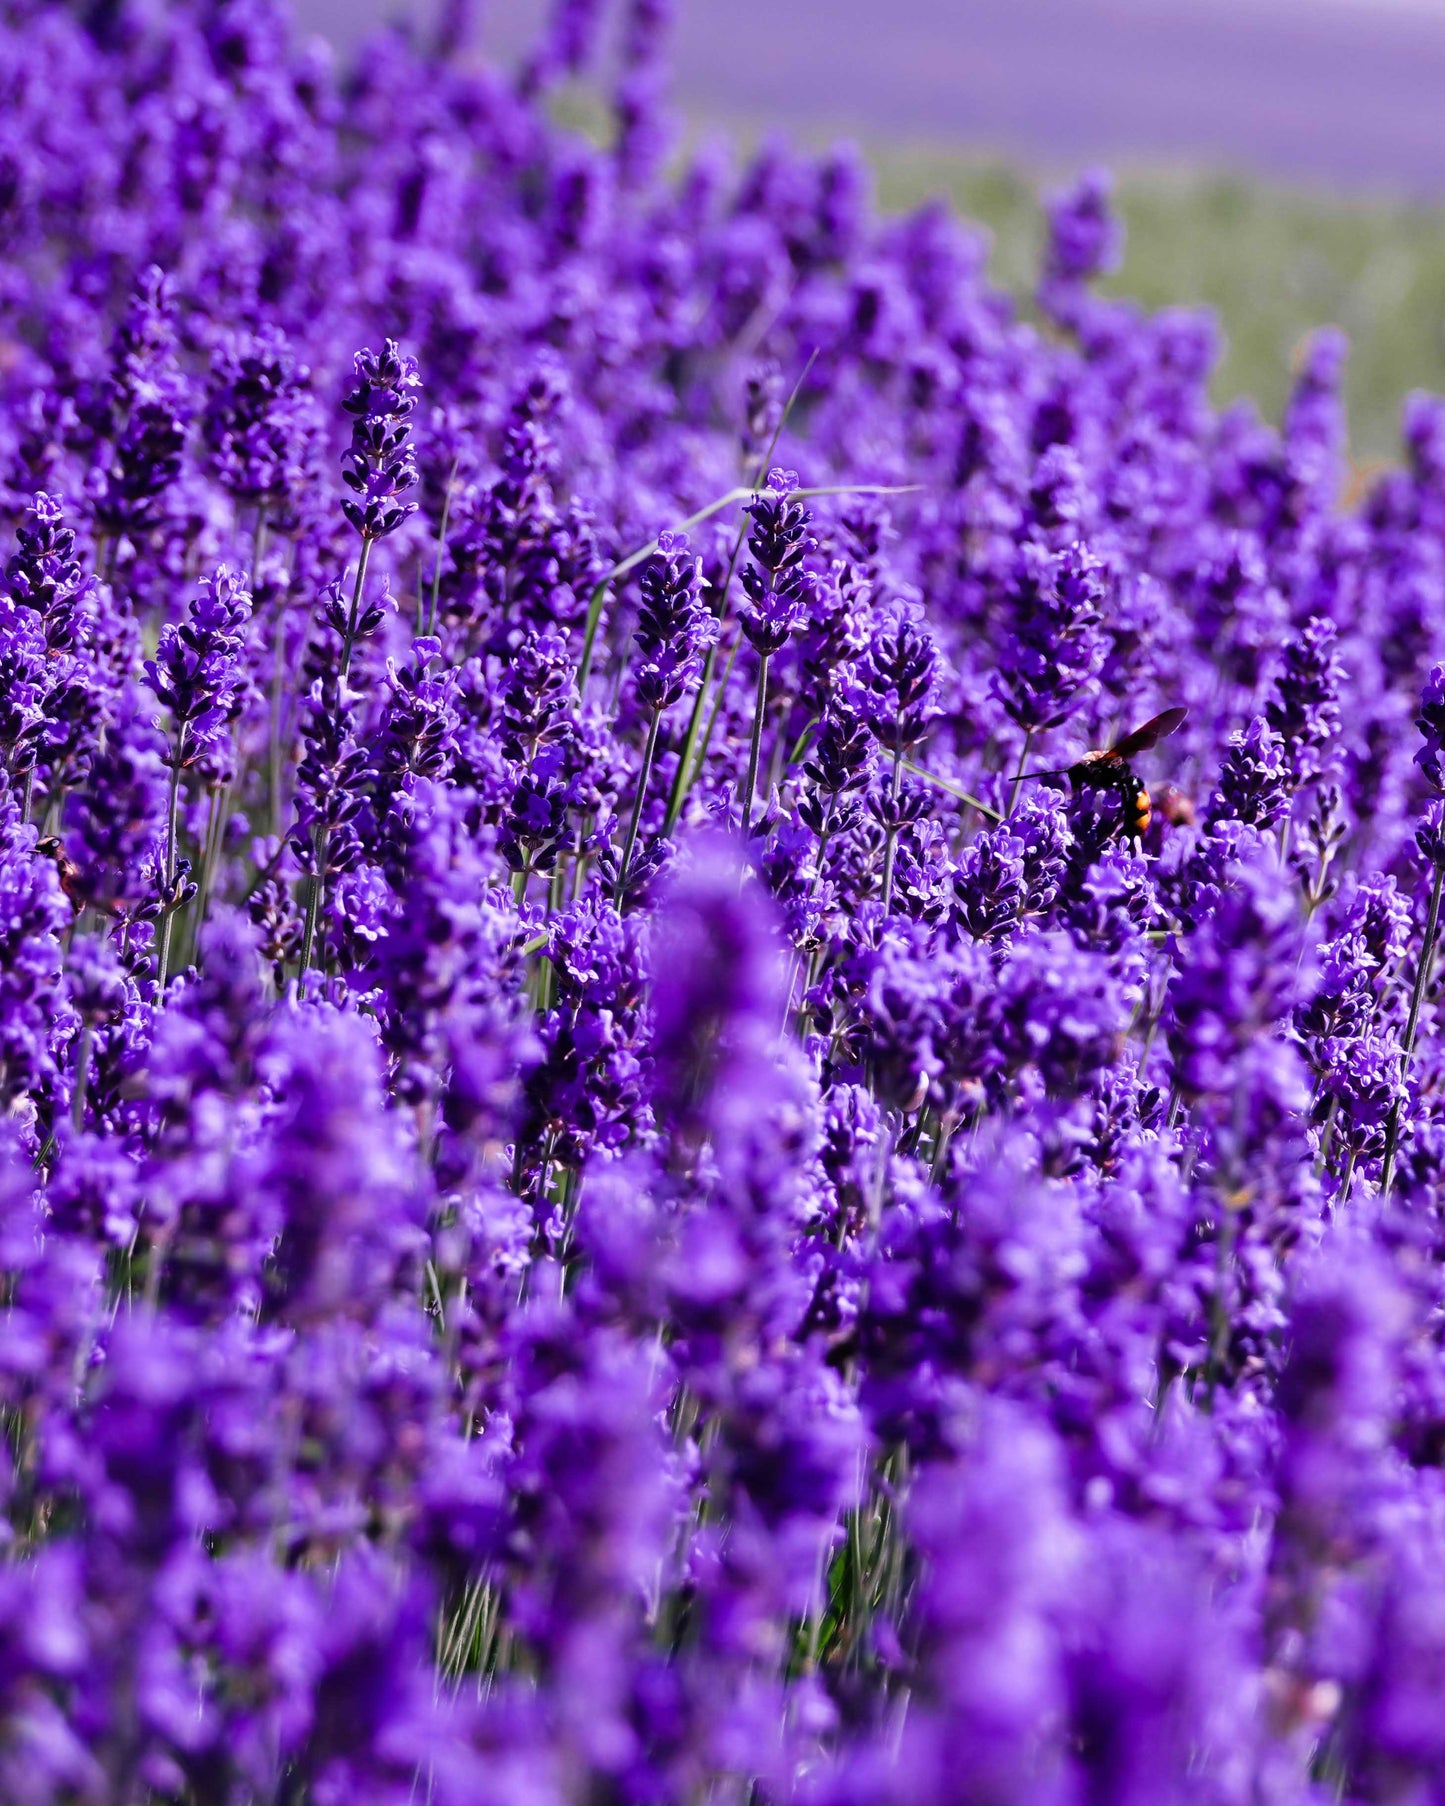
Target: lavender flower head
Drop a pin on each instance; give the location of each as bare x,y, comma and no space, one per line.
1431,723
151,410
675,627
1254,784
260,419
198,670
598,1200
1085,237
776,582
44,574
903,670
380,464
1305,711
1050,664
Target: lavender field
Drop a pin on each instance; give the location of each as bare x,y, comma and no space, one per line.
723,1081
1342,91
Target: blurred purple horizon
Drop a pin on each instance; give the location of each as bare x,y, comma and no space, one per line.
1343,92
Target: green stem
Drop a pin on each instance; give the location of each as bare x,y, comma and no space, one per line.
1013,800
1412,1024
940,1148
815,957
648,755
579,858
716,710
800,744
1327,1136
322,844
273,750
594,619
163,952
760,703
891,845
557,888
82,1078
258,544
429,623
680,778
688,766
633,559
794,962
964,796
349,641
1219,1318
215,834
821,856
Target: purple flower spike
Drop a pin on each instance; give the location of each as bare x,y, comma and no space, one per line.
776,582
197,671
799,1160
1431,723
380,464
261,421
675,627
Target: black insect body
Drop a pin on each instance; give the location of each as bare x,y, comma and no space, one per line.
1109,768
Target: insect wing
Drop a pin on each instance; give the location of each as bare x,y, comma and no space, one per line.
1157,728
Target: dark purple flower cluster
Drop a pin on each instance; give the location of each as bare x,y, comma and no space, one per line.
260,421
647,1153
379,465
674,626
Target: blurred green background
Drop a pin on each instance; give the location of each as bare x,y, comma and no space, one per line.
1273,262
1204,111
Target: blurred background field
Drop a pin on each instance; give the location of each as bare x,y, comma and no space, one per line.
1280,161
1274,262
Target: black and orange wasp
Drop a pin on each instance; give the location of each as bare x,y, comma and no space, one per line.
52,848
1109,768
